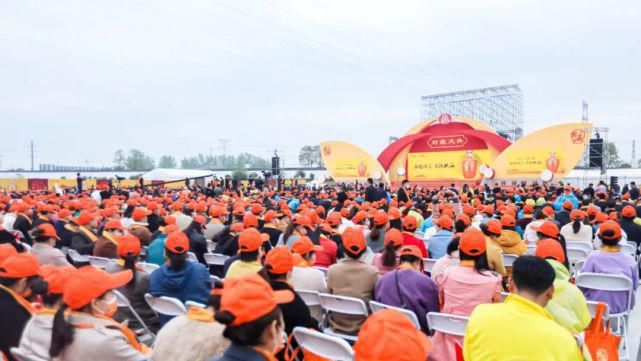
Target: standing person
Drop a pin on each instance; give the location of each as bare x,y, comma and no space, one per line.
45,238
408,288
576,230
178,278
387,260
370,191
610,260
409,227
253,321
88,332
18,277
352,278
403,193
304,276
524,315
79,182
464,287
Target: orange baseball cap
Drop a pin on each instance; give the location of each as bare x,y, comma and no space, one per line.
494,226
84,218
216,211
488,209
171,229
388,335
567,205
89,283
409,223
508,221
114,224
354,240
47,230
64,213
200,219
6,251
256,209
548,228
610,230
528,209
445,221
139,213
169,220
380,218
334,219
304,245
250,297
393,236
550,248
359,216
20,265
629,212
547,210
110,211
269,215
56,277
303,221
251,240
128,245
473,242
577,215
250,220
236,227
177,206
593,211
394,213
177,242
464,218
411,251
281,260
600,218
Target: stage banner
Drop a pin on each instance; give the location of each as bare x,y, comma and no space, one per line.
14,184
550,152
347,162
37,184
447,166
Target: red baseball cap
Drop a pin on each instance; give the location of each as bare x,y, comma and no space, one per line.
472,242
47,230
393,236
250,297
89,283
20,265
550,248
281,260
548,228
304,245
354,240
128,245
177,242
610,230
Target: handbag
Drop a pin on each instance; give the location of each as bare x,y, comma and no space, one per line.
398,289
602,344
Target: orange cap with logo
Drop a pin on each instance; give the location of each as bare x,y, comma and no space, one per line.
177,242
473,242
280,260
56,277
548,228
354,240
304,245
249,298
550,248
393,236
610,230
20,265
384,332
89,283
251,240
47,230
128,245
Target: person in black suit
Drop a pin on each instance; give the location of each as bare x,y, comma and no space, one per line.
403,193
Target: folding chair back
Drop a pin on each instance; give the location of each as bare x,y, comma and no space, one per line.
508,259
148,267
124,302
311,298
592,309
428,264
343,304
322,269
194,304
215,259
530,249
165,305
19,355
323,345
100,262
577,254
447,323
191,257
587,246
606,282
77,257
377,306
629,248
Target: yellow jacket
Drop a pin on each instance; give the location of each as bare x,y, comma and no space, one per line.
517,329
511,242
567,306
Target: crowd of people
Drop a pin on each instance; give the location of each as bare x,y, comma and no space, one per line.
362,241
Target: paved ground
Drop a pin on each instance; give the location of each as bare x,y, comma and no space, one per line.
635,330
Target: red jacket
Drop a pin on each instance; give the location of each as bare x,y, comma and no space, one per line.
327,257
410,240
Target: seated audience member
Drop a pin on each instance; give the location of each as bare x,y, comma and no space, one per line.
45,238
352,278
439,240
83,328
106,245
408,288
178,278
492,230
250,254
376,237
389,335
509,240
409,227
611,260
450,259
533,334
254,322
387,260
156,249
304,276
576,230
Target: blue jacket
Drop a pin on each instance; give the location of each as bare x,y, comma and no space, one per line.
239,353
156,250
558,204
191,283
437,247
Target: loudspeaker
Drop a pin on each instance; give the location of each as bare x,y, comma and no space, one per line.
614,181
596,153
275,165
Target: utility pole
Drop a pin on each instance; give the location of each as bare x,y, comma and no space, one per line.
32,155
585,112
223,145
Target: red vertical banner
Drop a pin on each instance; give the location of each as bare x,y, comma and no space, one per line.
102,183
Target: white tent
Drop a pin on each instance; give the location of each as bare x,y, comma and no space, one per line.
168,174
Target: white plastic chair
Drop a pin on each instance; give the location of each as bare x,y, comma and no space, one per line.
428,264
630,249
587,246
447,323
191,257
215,259
213,280
77,257
311,298
333,348
577,254
530,249
344,305
612,282
577,266
592,309
377,306
165,305
508,259
322,269
148,267
124,302
18,355
195,304
100,262
210,246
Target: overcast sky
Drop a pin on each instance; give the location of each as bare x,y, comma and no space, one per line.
85,78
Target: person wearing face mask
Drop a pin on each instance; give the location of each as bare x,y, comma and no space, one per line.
83,328
45,238
84,238
305,276
106,245
403,193
249,308
19,281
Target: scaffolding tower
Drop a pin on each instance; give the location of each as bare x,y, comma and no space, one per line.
499,107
